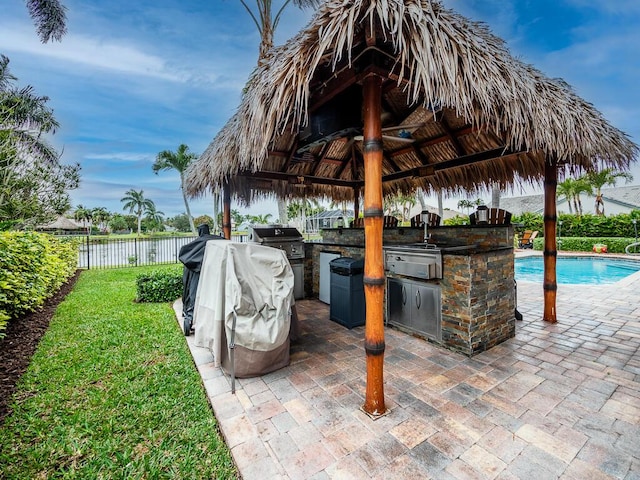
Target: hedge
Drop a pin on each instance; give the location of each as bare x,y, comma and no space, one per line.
159,285
585,244
33,266
594,226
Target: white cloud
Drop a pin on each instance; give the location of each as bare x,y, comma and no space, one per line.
121,156
118,56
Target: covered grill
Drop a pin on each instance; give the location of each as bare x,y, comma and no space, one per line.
291,241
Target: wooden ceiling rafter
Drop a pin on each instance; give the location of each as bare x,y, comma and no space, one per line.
287,162
440,118
427,142
321,158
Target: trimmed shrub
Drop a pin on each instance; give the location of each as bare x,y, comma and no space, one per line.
159,285
33,266
588,225
585,244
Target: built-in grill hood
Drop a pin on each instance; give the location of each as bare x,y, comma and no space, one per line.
274,234
423,261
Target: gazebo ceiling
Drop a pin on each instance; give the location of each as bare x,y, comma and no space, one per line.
459,112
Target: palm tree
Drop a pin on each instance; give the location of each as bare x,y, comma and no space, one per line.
24,117
266,24
136,204
259,219
156,217
606,176
466,204
49,17
178,160
101,216
83,215
581,186
566,189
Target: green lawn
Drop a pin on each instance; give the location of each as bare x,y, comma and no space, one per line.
112,392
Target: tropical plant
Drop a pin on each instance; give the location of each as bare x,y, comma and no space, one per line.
466,204
33,184
135,203
571,189
259,219
154,218
399,205
606,176
117,223
49,18
179,161
236,217
83,215
101,215
266,24
565,189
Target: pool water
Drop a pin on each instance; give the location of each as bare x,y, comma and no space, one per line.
577,270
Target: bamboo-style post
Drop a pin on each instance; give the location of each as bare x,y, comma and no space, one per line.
226,210
550,251
374,265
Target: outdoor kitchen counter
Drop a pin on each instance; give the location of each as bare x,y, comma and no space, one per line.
476,289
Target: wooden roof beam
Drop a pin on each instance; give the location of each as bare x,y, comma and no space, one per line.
292,178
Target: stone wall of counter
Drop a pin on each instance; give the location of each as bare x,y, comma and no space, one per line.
484,236
478,300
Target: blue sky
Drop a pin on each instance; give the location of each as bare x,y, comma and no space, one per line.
133,78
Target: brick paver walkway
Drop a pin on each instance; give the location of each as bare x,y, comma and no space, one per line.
557,401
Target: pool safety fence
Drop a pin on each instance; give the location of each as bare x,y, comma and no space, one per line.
97,252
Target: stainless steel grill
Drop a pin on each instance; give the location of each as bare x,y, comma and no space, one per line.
290,241
423,261
284,238
412,303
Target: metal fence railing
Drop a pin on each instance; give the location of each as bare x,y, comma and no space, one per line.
95,252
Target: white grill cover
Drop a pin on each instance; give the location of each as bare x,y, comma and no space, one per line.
254,284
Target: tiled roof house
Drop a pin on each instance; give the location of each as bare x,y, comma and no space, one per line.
616,200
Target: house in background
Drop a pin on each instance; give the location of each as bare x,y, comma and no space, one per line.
328,219
616,200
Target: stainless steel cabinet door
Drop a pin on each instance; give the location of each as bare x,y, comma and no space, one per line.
425,309
398,302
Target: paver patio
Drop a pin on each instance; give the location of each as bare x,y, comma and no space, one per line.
556,401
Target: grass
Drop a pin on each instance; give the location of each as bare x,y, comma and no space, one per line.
112,392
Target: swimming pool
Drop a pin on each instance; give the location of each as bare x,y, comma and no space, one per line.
578,270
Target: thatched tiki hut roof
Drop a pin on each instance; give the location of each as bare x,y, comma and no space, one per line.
473,114
405,94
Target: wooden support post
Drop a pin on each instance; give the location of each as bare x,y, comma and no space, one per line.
374,278
550,250
226,210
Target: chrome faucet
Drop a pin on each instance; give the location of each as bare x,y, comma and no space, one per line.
424,215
